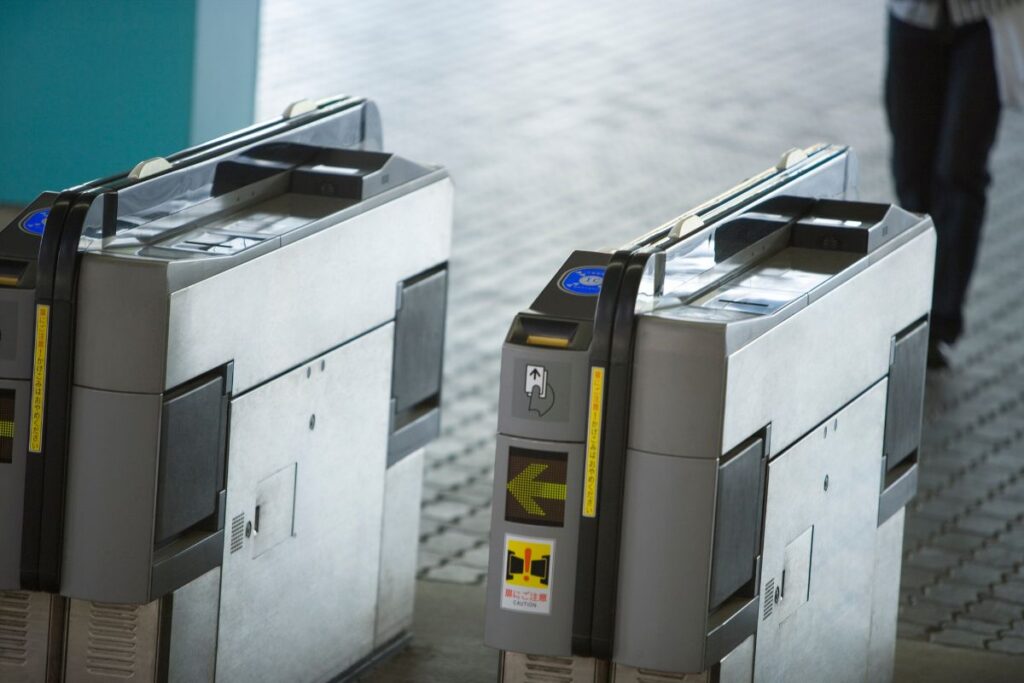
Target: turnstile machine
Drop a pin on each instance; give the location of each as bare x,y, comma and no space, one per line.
707,439
218,374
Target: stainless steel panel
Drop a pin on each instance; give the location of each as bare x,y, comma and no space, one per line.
12,489
664,562
738,665
305,609
780,377
109,643
628,674
25,626
111,495
829,480
301,295
193,647
17,315
115,350
885,599
396,592
517,667
678,388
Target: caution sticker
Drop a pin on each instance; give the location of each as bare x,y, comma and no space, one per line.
35,433
591,468
529,563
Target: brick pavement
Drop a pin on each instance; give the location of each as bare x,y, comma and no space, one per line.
578,124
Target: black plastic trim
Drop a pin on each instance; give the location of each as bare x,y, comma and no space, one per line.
615,441
586,554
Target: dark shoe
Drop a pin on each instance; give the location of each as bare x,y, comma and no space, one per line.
937,355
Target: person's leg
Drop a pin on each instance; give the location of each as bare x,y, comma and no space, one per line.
961,173
915,97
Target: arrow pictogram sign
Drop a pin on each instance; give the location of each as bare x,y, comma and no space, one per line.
526,489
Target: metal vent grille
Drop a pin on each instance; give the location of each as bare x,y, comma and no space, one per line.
14,613
113,640
648,676
237,532
548,669
769,598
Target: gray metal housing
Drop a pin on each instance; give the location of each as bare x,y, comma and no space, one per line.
282,354
774,416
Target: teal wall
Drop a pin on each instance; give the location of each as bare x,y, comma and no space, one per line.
90,87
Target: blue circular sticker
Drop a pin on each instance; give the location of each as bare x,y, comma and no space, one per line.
585,281
35,222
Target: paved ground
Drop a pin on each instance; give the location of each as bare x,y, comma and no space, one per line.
447,649
580,123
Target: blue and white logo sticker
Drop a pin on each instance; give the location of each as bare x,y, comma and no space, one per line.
585,281
35,222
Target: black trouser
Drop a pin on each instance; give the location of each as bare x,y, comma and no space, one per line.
943,105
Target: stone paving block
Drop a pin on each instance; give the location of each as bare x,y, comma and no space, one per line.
932,558
952,594
959,542
1011,591
958,638
913,578
1004,508
454,573
448,542
976,626
981,523
429,526
1014,538
938,509
977,574
448,476
996,611
476,493
925,613
910,631
999,556
477,557
446,510
1016,630
478,521
1011,645
919,530
427,559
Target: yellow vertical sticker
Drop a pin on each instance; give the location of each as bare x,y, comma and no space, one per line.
35,433
592,466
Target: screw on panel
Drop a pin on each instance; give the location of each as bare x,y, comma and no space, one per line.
248,529
826,482
309,371
323,365
312,421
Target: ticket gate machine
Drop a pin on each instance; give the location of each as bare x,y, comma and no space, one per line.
217,376
707,440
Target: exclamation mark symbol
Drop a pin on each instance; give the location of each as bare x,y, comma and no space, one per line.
526,568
